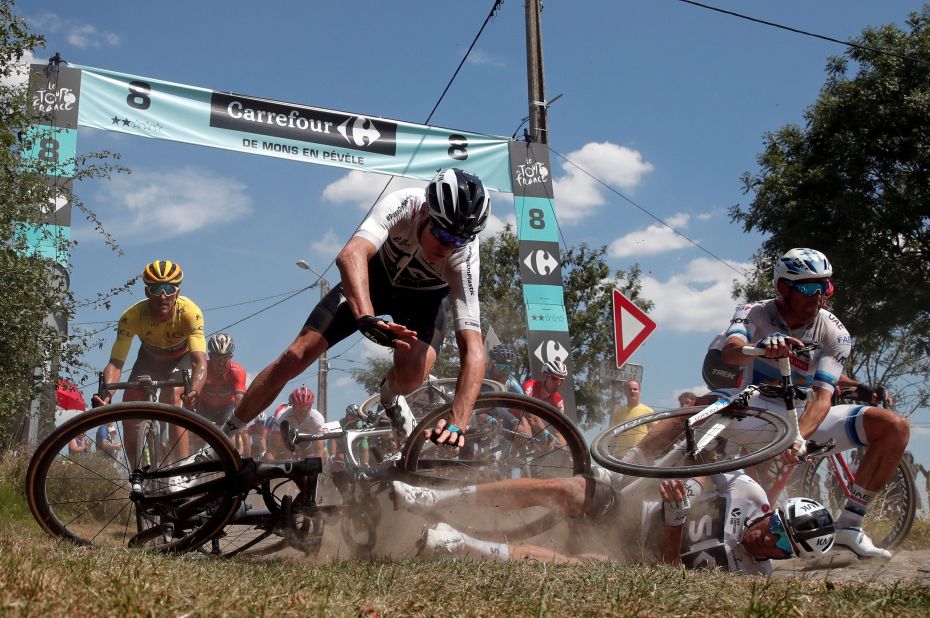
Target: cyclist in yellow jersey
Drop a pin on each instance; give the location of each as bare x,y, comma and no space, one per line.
170,329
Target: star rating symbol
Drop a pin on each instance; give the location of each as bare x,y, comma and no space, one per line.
115,119
120,121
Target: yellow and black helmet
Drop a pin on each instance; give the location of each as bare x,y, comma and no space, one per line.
162,271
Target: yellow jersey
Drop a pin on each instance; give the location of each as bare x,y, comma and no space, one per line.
181,333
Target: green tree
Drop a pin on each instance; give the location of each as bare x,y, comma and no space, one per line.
31,290
854,182
587,281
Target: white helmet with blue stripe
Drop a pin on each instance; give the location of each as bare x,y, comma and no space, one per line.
801,264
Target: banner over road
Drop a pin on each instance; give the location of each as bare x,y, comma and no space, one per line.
164,110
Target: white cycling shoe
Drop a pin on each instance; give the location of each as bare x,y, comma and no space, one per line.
857,541
413,498
441,540
402,420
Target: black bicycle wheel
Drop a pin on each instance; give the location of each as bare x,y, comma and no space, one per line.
891,512
544,445
655,445
88,498
428,397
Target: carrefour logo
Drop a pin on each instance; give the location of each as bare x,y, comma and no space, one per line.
550,349
304,124
541,262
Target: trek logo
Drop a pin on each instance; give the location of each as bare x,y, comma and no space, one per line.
302,123
531,173
541,262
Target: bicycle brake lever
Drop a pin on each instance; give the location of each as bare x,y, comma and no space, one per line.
289,436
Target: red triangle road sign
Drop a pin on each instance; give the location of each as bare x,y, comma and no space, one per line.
631,327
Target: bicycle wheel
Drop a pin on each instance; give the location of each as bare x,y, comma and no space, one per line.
178,502
655,445
545,445
891,512
428,397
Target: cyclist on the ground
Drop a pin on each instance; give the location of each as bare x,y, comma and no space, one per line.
225,383
170,329
301,414
414,256
729,522
802,278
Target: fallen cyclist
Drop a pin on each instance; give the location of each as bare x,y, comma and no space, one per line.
720,521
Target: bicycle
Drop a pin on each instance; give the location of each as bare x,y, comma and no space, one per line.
429,396
177,504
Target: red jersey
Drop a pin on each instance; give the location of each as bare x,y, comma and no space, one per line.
221,390
532,387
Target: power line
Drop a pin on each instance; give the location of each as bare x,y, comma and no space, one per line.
644,211
822,37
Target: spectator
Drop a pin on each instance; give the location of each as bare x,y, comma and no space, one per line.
108,441
80,444
633,408
686,399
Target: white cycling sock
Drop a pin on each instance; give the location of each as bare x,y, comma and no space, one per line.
446,497
856,507
388,396
498,551
232,425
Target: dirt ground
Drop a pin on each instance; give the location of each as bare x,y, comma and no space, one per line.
844,566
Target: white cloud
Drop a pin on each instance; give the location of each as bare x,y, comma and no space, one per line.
483,58
363,188
578,195
79,34
653,240
696,300
19,74
154,205
327,247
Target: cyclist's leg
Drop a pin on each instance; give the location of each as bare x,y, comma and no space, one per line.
444,540
330,321
425,313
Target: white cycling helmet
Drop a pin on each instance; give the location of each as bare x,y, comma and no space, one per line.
555,368
801,264
809,525
221,343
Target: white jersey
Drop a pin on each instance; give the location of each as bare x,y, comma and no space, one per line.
820,368
394,228
715,526
312,423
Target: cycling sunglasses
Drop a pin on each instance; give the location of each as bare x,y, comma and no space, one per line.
157,289
503,367
812,288
448,239
777,529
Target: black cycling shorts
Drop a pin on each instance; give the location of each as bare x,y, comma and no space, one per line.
423,311
159,369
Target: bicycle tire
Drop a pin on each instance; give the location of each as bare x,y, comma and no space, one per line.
565,456
86,500
891,512
666,457
426,398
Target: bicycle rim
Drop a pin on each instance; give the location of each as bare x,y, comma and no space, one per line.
86,498
430,396
891,511
655,445
546,445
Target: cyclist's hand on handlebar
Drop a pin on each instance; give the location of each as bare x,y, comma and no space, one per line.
386,333
190,400
446,433
778,345
96,401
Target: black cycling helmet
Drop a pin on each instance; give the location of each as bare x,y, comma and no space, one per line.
458,203
503,354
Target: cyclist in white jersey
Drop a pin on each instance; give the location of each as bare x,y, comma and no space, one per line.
802,279
415,254
720,521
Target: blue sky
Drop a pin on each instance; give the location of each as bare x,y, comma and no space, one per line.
664,101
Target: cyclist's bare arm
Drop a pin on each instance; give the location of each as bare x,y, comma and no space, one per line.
198,378
471,374
111,373
353,268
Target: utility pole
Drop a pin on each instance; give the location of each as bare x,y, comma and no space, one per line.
323,360
539,123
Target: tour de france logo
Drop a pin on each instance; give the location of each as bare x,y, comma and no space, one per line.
531,173
54,99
